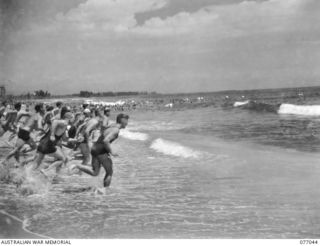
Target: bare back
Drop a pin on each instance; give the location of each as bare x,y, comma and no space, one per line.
33,123
111,133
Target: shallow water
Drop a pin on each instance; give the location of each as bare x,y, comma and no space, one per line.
194,173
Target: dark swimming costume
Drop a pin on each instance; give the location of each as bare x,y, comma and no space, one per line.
5,126
72,132
99,148
47,119
46,146
24,135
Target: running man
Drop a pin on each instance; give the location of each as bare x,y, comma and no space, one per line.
101,150
57,110
33,123
105,118
8,124
85,132
3,108
50,143
47,118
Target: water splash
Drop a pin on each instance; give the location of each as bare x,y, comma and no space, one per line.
27,181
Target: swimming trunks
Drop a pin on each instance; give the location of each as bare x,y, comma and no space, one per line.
46,146
99,148
5,126
72,132
24,135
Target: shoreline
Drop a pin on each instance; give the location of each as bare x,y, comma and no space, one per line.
16,228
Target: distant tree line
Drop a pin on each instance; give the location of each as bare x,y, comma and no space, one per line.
38,94
42,94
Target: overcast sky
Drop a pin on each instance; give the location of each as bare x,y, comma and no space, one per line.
65,46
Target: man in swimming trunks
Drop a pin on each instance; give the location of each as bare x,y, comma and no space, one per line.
8,124
84,133
101,151
22,116
57,110
3,108
50,143
105,118
47,118
33,123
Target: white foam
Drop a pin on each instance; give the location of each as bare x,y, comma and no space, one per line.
139,136
104,103
238,104
306,110
174,149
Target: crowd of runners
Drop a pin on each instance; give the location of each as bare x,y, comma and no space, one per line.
46,130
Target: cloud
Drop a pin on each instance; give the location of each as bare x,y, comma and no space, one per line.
104,15
103,18
182,22
231,20
99,44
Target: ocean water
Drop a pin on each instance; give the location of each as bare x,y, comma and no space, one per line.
206,171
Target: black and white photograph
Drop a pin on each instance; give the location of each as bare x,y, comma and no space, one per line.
159,119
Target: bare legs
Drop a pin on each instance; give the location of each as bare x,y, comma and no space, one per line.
85,151
98,161
106,162
19,144
60,158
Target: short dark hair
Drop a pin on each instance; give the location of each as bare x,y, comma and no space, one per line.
106,110
58,104
96,112
17,106
49,108
122,116
64,110
38,108
4,103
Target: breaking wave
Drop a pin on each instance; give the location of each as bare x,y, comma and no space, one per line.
174,149
257,106
285,108
305,110
239,104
